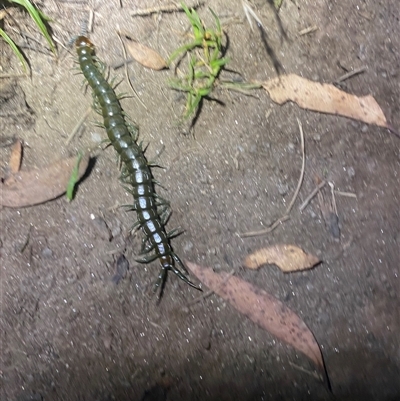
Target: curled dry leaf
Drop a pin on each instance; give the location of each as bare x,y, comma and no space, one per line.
288,258
324,98
144,55
264,310
37,186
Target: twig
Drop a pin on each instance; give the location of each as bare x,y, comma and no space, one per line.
90,22
286,216
303,165
312,194
166,8
126,71
78,125
26,242
308,30
266,230
301,369
350,74
249,12
346,194
334,207
12,75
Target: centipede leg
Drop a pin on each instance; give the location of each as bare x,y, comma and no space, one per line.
160,283
184,278
165,214
180,263
174,233
147,259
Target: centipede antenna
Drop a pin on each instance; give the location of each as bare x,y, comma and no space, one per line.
85,24
71,41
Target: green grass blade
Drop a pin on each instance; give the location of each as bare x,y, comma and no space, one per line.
15,49
38,17
74,177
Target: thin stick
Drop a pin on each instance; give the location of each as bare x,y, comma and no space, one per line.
346,194
166,8
308,30
350,74
301,369
286,216
332,186
90,22
303,165
78,126
126,71
12,75
312,194
266,230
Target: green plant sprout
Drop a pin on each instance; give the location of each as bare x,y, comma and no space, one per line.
74,178
203,67
40,20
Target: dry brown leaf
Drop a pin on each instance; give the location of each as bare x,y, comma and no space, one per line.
264,310
16,157
144,55
288,258
36,186
324,98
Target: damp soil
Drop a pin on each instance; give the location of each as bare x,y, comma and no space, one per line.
77,326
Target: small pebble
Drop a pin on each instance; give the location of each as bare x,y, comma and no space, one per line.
188,246
351,172
96,137
47,252
291,147
283,189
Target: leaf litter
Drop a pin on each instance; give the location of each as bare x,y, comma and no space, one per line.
16,157
325,98
288,258
142,54
264,310
28,188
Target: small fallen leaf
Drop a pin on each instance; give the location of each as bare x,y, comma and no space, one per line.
144,55
37,186
16,157
325,98
288,258
264,310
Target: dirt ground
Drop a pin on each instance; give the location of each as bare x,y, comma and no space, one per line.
69,332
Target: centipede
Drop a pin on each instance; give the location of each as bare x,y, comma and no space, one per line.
136,173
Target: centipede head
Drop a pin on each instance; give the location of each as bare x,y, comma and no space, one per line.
83,41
